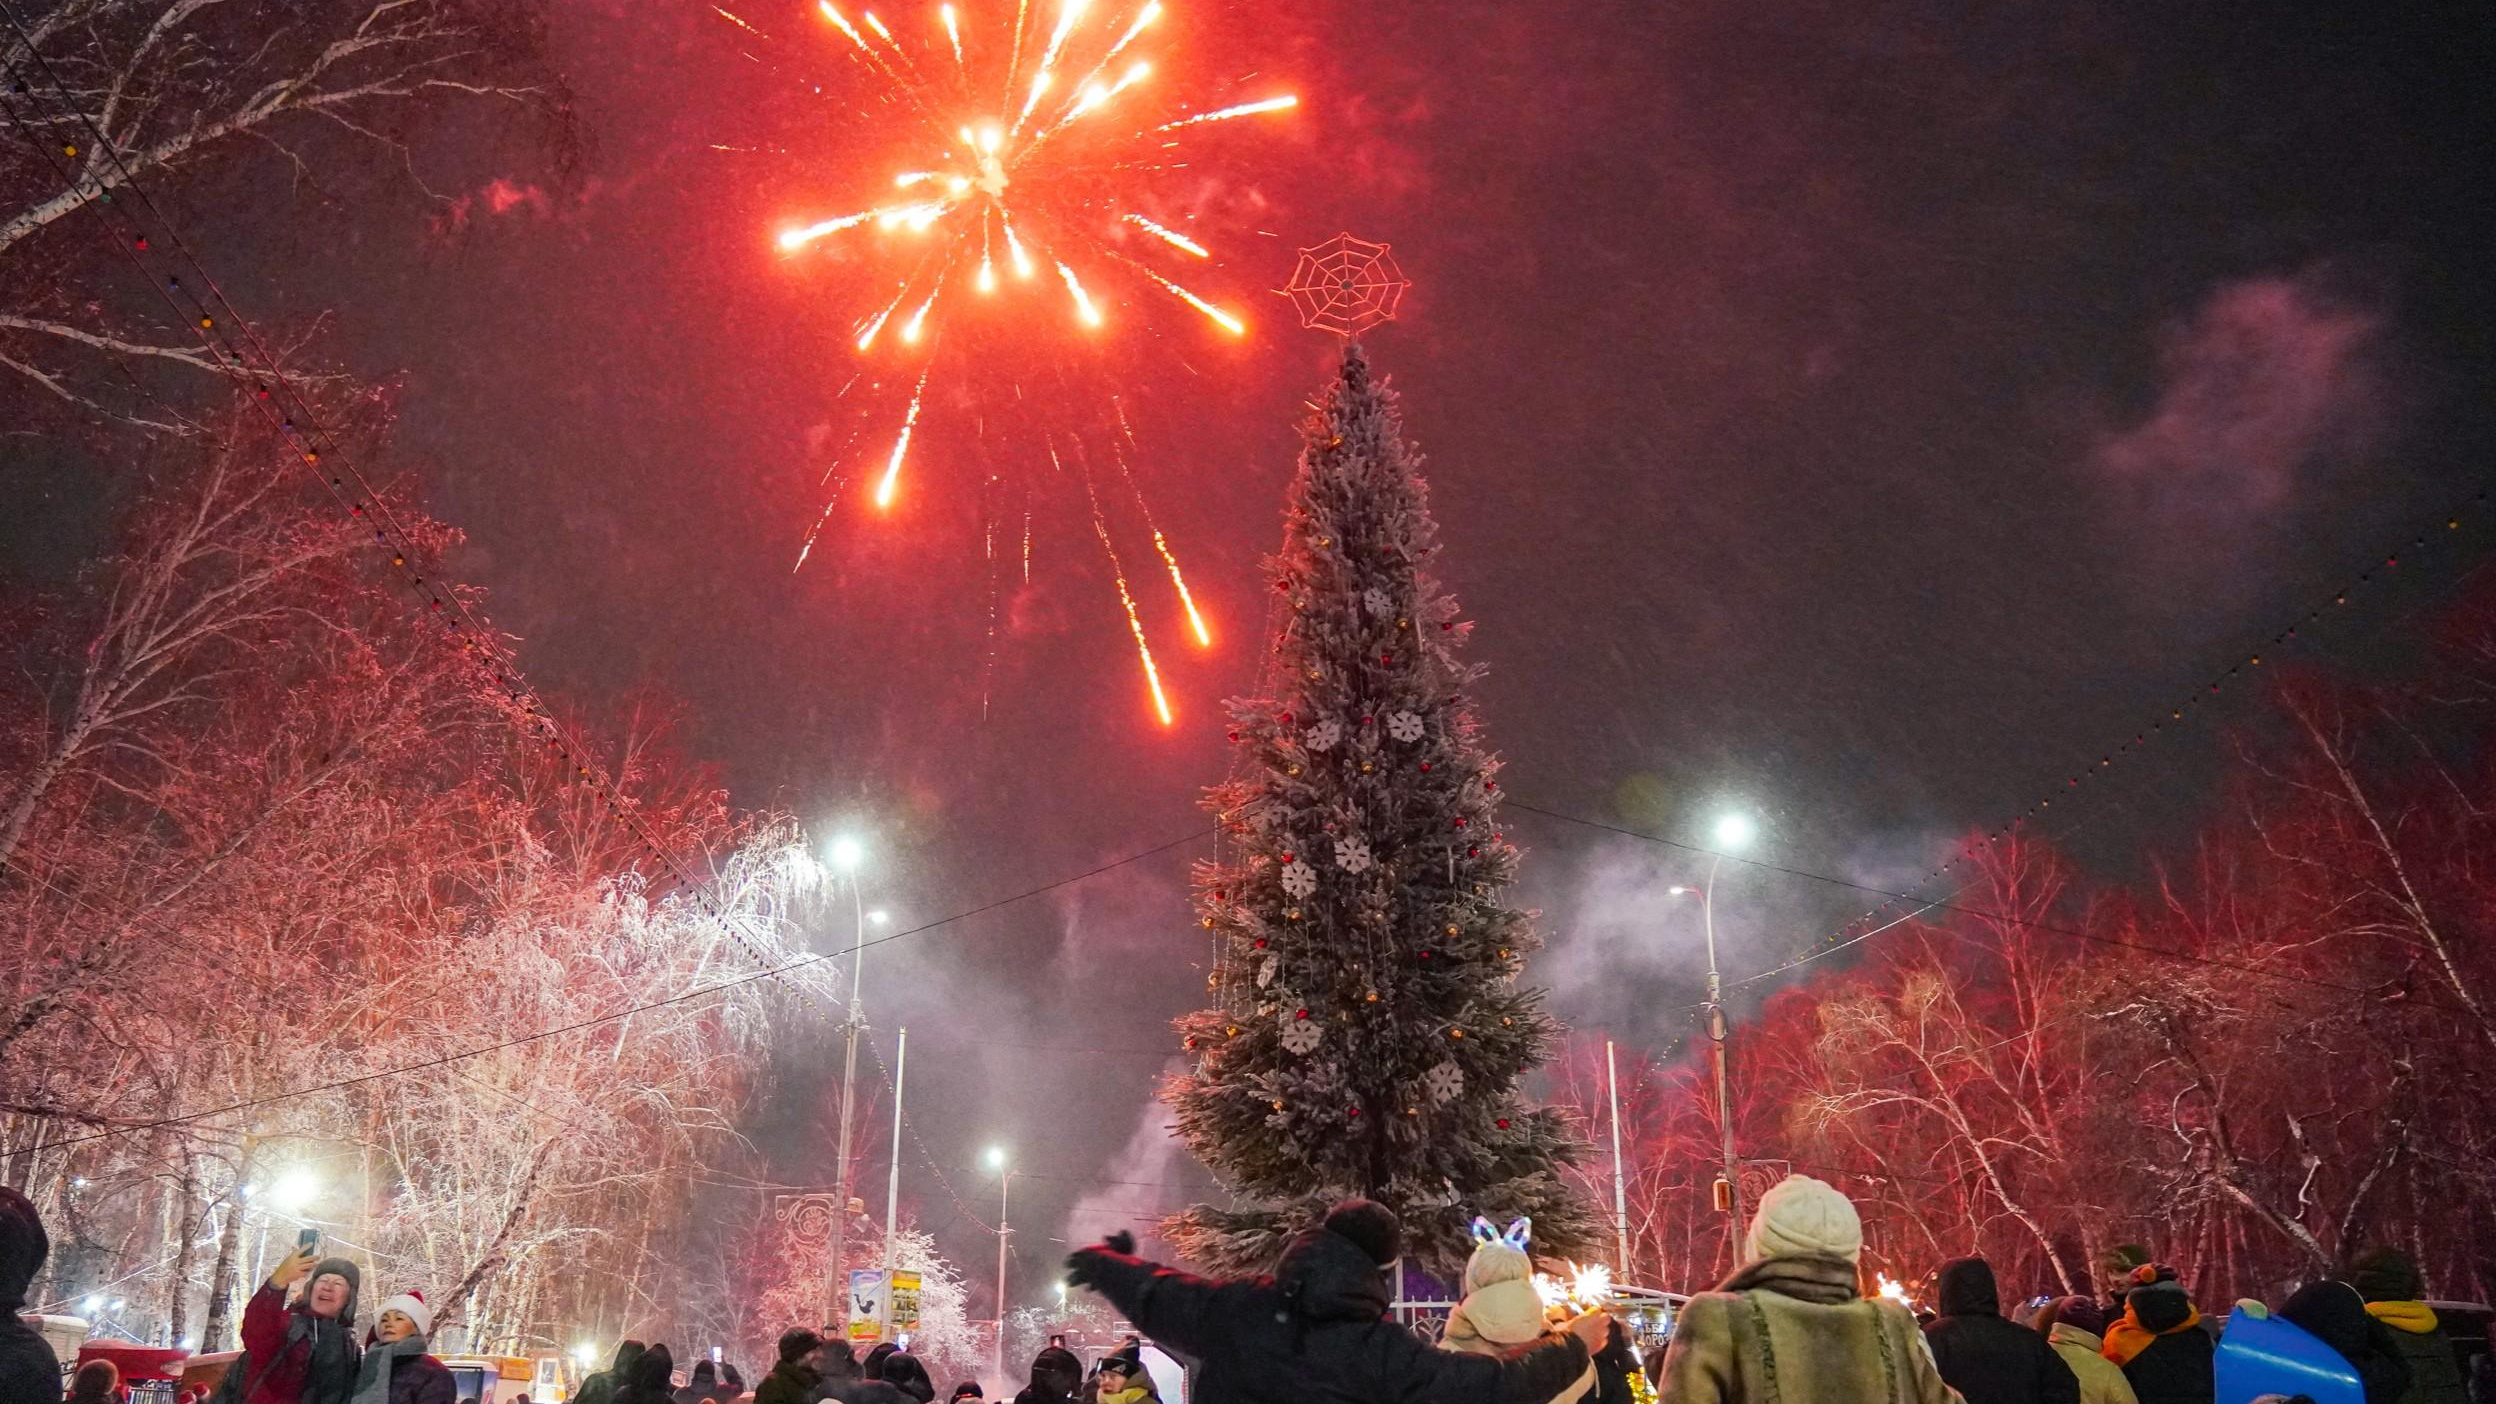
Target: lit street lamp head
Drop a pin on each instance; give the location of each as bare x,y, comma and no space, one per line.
847,853
996,1157
1734,832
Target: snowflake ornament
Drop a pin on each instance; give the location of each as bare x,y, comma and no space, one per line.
1299,1035
1404,726
1352,855
1445,1083
1265,972
1378,602
1299,879
1324,735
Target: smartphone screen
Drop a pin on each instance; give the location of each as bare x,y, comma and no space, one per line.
307,1240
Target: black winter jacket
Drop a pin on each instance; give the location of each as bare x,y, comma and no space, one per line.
1314,1333
2180,1366
28,1368
1988,1359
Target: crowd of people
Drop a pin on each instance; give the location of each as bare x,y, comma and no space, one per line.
1791,1326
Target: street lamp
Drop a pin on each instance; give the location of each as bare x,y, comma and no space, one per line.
848,854
294,1189
998,1164
1734,832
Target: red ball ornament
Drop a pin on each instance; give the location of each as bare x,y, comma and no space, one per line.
1385,658
1356,1111
1234,735
1490,784
1286,857
1301,1015
1460,821
1473,853
1286,718
1369,721
1425,767
1425,955
1503,1123
1260,943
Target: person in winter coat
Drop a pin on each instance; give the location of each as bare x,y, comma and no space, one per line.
793,1380
1792,1324
600,1388
1501,1310
2158,1341
97,1382
2118,1269
304,1353
28,1368
2336,1315
395,1368
652,1379
2392,1286
703,1386
2076,1328
838,1365
1987,1359
872,1368
1124,1379
1056,1375
1316,1332
903,1381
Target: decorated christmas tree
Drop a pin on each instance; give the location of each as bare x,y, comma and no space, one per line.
1368,1034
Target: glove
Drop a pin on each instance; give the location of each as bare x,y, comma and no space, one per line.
1082,1266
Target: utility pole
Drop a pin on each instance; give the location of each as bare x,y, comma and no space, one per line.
1620,1191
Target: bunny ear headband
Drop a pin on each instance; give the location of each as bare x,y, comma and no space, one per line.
1519,1233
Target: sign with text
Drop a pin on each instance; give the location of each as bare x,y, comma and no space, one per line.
903,1299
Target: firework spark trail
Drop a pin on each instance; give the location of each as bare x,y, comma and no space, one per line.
1222,319
901,447
1178,578
1172,237
1084,309
1245,109
953,34
1126,597
739,23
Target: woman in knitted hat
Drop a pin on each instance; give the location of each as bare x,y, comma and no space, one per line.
1501,1312
304,1353
1792,1325
396,1369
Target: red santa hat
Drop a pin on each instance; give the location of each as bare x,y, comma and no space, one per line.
412,1306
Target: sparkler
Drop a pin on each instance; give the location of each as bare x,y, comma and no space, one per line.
1589,1288
1022,140
1894,1290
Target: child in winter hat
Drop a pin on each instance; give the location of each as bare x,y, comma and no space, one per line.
1502,1312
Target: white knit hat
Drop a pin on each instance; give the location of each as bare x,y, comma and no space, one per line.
1801,1215
412,1306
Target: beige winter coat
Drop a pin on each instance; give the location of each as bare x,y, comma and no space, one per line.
1501,1319
1797,1330
2101,1380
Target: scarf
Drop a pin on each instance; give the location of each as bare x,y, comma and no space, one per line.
372,1383
2417,1318
1802,1276
2126,1339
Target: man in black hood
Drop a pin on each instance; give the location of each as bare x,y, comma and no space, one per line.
28,1368
1985,1358
1316,1331
1055,1377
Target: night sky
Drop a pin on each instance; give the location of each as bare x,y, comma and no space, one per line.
1861,412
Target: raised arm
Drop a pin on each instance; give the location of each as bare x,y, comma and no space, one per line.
1190,1314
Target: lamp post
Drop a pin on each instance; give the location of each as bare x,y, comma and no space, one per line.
1005,1187
1733,833
847,854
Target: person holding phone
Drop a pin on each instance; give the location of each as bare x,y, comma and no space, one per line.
303,1353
